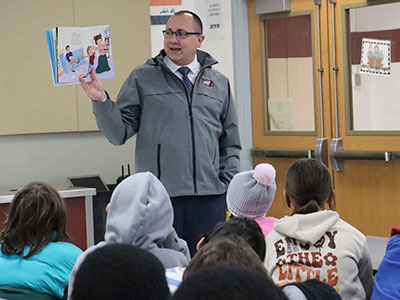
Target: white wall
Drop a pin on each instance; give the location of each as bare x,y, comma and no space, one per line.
219,44
241,70
54,157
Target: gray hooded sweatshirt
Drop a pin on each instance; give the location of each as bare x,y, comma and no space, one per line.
141,215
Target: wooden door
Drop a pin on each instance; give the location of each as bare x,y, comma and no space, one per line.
350,108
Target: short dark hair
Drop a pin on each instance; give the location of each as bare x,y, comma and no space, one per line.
120,271
37,217
228,283
198,25
238,229
66,47
308,185
224,252
97,37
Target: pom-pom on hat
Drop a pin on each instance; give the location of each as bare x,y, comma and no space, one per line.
250,193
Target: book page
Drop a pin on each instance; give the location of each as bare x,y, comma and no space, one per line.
82,49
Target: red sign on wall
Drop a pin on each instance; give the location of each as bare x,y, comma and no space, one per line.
165,2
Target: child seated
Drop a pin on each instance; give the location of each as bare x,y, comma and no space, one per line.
314,242
250,195
140,214
35,253
228,283
386,280
120,271
237,230
224,252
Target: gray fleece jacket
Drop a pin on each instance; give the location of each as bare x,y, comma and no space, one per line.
141,215
189,141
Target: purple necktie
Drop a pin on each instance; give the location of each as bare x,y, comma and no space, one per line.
184,71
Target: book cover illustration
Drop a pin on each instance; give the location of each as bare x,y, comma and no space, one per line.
76,51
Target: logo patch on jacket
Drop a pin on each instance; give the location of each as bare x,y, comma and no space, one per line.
208,83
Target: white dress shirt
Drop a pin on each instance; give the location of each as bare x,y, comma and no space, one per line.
194,67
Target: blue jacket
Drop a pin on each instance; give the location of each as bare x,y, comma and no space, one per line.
189,141
46,272
387,278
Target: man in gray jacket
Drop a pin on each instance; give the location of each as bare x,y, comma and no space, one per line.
183,113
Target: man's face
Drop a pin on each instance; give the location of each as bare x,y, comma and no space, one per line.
182,52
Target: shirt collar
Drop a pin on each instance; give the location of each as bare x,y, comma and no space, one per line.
194,66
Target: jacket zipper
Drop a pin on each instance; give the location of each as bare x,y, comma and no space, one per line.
189,100
193,148
159,161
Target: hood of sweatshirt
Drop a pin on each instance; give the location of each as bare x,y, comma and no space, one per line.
308,227
140,212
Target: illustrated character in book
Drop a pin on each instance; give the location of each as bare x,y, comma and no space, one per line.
70,58
107,46
92,55
102,65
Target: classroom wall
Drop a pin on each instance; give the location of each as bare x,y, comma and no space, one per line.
29,101
55,156
52,157
53,151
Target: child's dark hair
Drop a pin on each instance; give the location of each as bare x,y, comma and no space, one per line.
308,186
120,271
228,283
37,217
66,47
239,229
224,252
97,37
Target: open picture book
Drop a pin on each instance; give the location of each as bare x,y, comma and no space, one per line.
76,51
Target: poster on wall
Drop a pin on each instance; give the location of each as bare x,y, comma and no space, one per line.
375,57
161,10
214,20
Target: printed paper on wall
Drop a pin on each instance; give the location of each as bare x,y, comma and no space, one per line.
375,57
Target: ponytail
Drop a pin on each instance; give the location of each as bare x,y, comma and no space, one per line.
308,186
310,207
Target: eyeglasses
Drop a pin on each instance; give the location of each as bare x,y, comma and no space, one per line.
180,34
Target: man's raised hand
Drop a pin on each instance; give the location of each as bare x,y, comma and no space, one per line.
93,89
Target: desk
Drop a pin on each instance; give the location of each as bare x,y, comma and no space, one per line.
79,209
